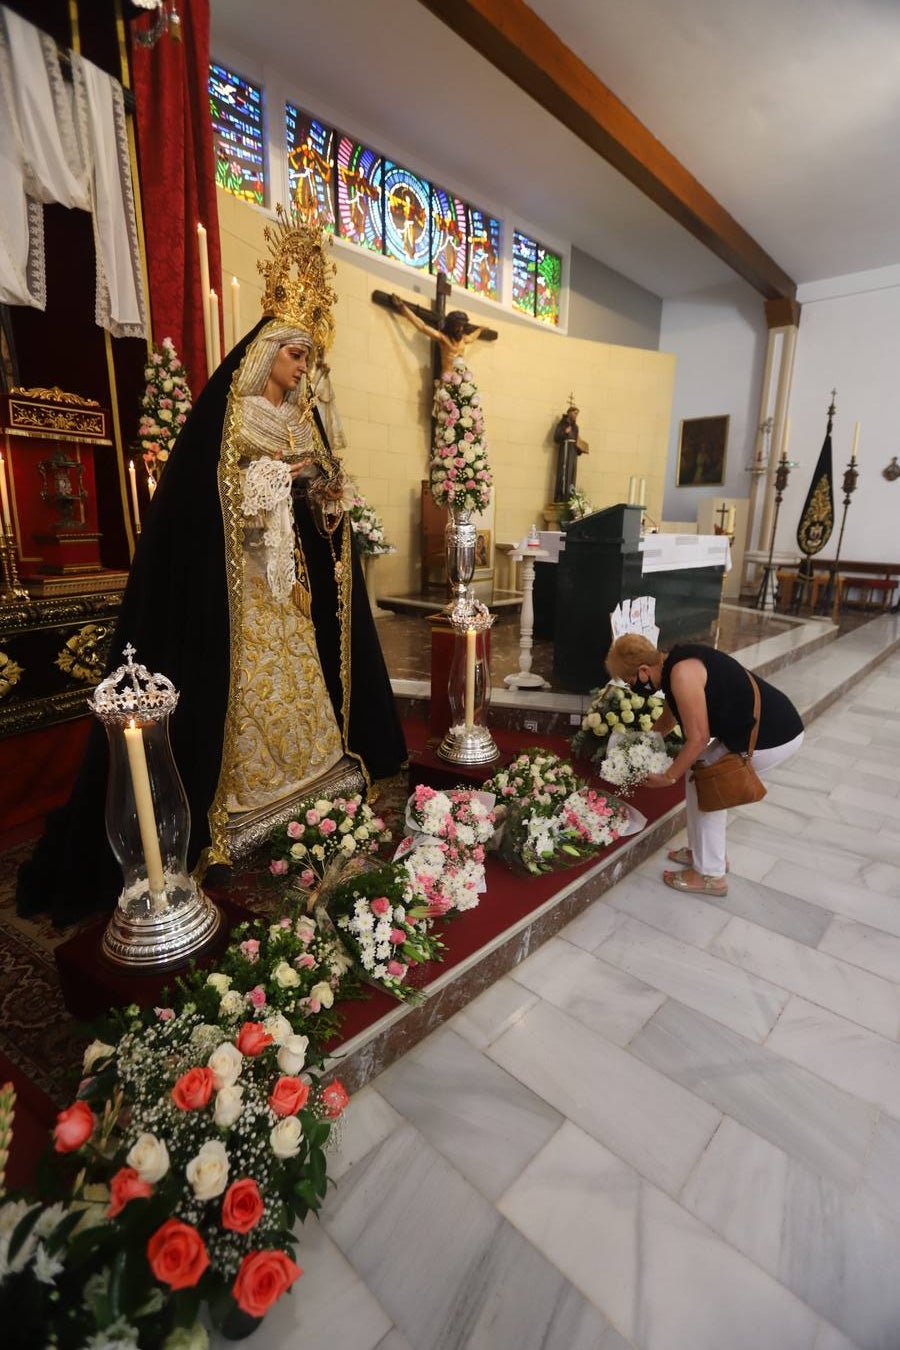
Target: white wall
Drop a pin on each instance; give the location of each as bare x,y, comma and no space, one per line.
718,337
849,340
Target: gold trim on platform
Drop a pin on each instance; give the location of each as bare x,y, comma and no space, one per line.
54,395
44,418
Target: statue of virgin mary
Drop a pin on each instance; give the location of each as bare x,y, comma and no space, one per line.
247,592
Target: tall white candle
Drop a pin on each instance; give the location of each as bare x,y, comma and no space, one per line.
729,524
632,483
787,437
134,497
235,311
471,639
6,522
642,492
855,443
151,486
204,295
215,342
143,802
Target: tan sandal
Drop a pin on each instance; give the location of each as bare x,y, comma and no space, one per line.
708,885
684,857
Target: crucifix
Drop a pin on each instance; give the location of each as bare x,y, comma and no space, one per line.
722,513
451,333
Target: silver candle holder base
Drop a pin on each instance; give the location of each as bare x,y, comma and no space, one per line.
468,745
166,934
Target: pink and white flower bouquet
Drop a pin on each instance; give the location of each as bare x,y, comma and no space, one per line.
459,473
445,848
385,925
324,829
165,404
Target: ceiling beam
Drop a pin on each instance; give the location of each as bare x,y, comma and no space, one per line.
515,40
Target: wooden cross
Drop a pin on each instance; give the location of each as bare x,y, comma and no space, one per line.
722,513
435,316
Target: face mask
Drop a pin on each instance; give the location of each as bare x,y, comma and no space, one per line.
642,687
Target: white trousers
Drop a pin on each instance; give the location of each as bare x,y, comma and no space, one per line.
706,829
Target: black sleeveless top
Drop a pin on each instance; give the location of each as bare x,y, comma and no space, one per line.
729,700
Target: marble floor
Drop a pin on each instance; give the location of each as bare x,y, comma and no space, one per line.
676,1126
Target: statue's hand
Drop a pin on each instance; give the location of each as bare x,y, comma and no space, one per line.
397,302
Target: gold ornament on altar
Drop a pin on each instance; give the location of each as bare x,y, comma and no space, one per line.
298,278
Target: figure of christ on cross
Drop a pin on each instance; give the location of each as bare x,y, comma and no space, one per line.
451,333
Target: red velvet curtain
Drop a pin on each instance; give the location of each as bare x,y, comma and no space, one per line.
177,174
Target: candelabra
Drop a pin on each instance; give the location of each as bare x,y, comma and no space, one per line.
527,553
851,478
766,590
11,590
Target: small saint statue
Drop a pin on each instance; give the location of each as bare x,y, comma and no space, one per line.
569,446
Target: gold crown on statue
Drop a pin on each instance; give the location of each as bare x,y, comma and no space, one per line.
298,277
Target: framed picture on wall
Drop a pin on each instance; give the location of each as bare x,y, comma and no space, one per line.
701,452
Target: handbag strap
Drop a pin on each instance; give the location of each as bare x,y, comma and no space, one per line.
751,744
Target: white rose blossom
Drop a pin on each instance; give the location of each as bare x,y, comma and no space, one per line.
208,1171
278,1027
322,993
226,1062
149,1157
285,976
285,1137
229,1105
292,1054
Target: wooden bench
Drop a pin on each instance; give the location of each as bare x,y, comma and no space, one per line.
878,592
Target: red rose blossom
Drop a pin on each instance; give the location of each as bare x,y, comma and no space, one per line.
252,1039
263,1278
126,1185
193,1089
177,1254
334,1099
242,1207
74,1127
289,1096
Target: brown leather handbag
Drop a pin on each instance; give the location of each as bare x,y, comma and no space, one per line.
731,780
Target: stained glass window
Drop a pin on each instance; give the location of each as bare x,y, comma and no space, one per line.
549,285
448,236
236,109
483,264
524,264
359,174
406,216
310,147
537,279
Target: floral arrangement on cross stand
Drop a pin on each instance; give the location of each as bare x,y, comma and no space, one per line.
165,404
195,1141
552,818
368,527
459,474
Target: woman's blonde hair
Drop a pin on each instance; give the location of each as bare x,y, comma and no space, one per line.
627,653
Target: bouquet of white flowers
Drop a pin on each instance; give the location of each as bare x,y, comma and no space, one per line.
616,708
368,527
631,756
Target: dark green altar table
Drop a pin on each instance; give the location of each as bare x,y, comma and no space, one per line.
602,564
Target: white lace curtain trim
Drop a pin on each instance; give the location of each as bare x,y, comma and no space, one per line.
66,145
100,113
267,492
